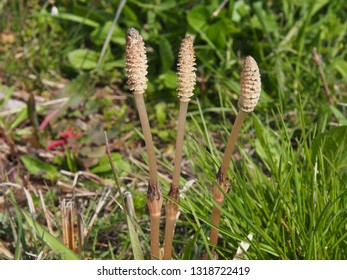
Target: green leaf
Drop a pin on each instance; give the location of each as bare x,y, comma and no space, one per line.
198,17
333,146
169,79
341,67
71,162
38,167
78,19
220,31
132,226
266,144
267,21
99,34
83,59
104,165
166,55
240,10
340,116
160,112
5,94
51,241
188,250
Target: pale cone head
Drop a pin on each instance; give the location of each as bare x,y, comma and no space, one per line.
185,69
136,62
250,85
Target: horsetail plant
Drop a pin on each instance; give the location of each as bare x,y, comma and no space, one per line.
136,69
249,96
186,82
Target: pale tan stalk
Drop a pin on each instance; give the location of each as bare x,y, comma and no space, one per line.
186,83
152,164
249,96
179,142
136,68
171,208
221,176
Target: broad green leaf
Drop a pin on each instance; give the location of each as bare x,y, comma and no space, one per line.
83,59
160,112
170,79
341,66
198,17
220,31
38,167
340,117
120,63
51,241
333,145
166,54
99,34
104,165
240,10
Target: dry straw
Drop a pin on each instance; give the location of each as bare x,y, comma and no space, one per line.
136,69
249,96
186,83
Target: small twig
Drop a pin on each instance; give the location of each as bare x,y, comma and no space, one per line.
109,35
318,60
218,10
9,184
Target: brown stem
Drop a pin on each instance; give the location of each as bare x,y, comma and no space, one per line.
154,197
171,207
318,61
221,176
171,218
179,142
169,233
155,222
154,204
152,164
231,142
